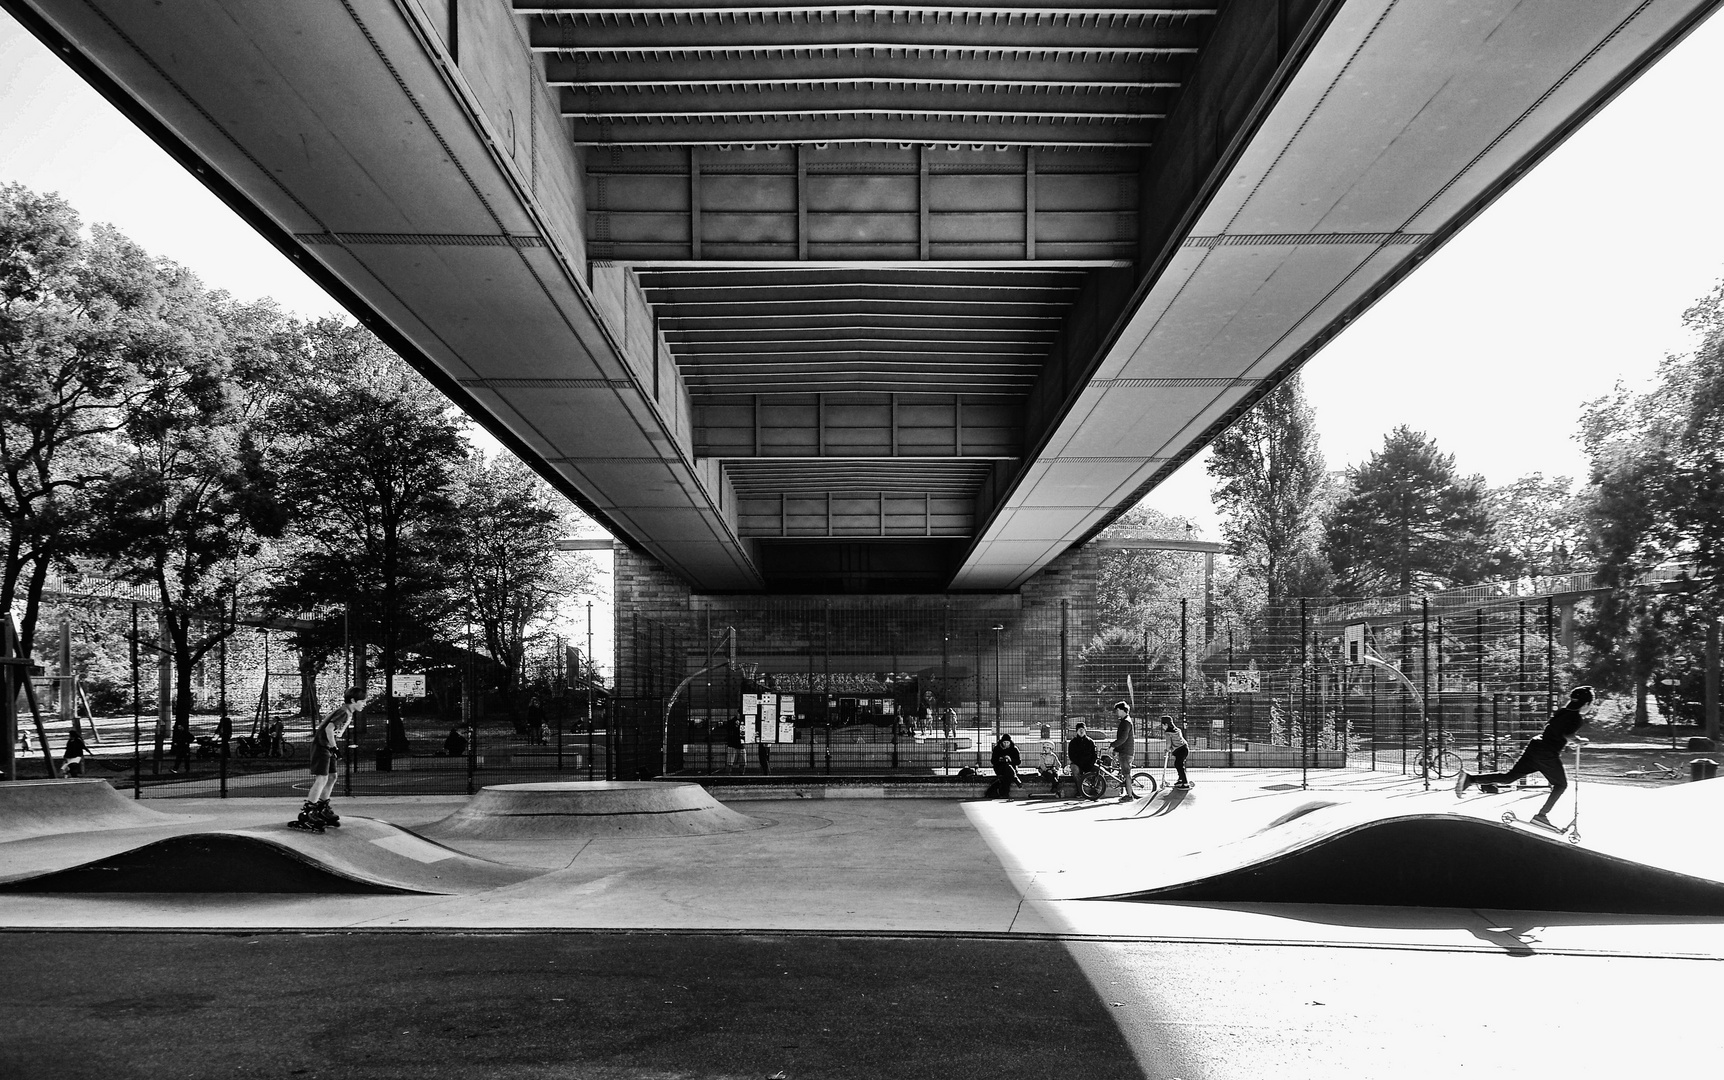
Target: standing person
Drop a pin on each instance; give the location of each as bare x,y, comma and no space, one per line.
325,745
1005,759
949,720
73,758
1081,754
182,746
1124,744
1177,749
1543,754
733,744
535,720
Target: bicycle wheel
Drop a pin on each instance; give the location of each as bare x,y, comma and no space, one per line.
1143,781
1093,785
287,749
1449,764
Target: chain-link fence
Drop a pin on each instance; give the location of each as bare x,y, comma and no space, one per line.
917,685
824,687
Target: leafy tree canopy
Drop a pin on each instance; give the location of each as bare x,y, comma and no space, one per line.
77,331
504,534
1271,490
1537,523
1409,522
370,452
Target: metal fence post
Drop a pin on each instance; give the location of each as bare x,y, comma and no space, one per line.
1185,663
137,714
1304,692
1065,666
1520,669
1425,683
224,726
1479,690
1550,656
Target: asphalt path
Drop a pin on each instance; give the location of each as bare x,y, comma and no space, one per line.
528,1006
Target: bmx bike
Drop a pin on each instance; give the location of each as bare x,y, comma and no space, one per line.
1096,783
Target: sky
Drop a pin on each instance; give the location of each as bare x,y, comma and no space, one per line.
1574,280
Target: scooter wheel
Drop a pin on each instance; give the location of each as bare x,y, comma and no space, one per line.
1508,817
1574,837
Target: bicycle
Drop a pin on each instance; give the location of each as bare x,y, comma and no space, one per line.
1096,782
1656,771
1437,760
268,743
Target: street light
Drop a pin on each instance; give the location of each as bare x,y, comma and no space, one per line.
997,627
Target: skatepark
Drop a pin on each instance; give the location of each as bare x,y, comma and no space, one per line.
1243,926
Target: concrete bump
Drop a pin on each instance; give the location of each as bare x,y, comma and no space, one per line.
590,808
46,807
1441,860
362,857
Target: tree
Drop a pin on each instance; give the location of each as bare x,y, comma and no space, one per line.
371,450
195,496
1270,490
506,526
1410,523
1655,495
74,319
1134,586
1537,523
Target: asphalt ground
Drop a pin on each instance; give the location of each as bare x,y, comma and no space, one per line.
108,1006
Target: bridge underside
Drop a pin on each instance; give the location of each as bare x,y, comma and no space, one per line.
901,298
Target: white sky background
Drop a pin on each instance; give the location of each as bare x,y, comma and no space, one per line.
1574,280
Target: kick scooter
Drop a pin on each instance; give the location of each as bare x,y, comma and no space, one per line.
1572,829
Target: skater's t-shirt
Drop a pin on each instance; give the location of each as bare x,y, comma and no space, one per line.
1563,723
1175,739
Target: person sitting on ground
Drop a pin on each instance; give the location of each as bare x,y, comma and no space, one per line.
1081,754
1543,754
455,745
1177,749
1006,760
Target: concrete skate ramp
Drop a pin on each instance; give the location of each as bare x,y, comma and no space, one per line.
1443,860
363,856
45,807
590,808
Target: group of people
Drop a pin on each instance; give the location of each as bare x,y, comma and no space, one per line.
926,721
1542,755
1083,756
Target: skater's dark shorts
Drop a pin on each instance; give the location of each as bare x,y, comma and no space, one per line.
1537,757
322,761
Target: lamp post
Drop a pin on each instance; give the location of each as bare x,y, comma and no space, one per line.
997,680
